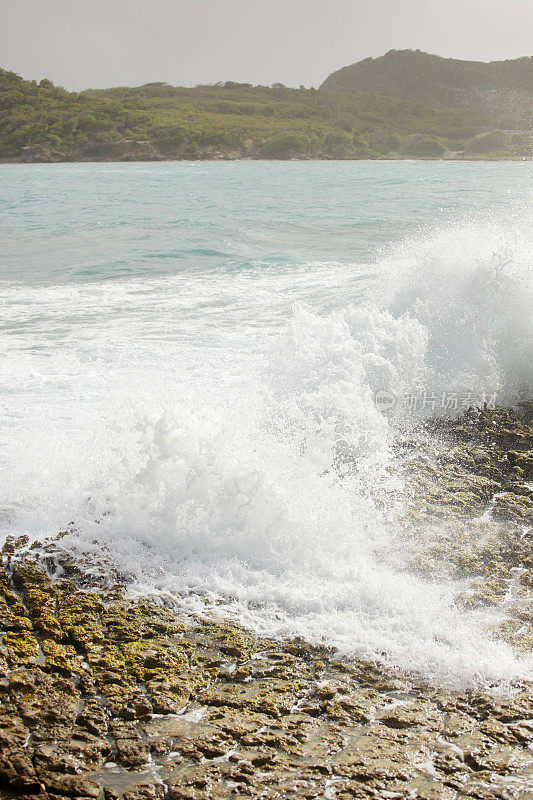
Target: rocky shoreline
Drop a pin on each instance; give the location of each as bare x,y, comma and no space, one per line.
470,486
141,154
104,695
132,150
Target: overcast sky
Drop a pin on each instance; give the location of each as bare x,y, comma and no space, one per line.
101,43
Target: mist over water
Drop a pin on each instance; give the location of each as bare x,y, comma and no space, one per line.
190,377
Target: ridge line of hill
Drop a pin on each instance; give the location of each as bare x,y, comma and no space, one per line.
503,89
41,122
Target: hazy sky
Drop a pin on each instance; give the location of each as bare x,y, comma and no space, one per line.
100,43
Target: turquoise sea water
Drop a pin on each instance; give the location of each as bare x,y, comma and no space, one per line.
79,222
186,348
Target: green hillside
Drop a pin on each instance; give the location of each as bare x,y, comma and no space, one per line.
503,89
43,122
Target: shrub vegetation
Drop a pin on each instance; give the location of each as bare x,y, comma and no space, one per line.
41,121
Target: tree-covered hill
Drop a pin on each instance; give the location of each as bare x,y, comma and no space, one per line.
501,88
43,122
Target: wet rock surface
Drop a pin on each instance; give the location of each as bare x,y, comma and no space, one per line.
103,696
107,696
470,510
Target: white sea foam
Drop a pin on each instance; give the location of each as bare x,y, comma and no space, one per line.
471,286
221,452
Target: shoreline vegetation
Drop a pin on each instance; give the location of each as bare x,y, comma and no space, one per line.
108,695
44,123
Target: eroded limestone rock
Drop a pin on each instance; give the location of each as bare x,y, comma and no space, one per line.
103,696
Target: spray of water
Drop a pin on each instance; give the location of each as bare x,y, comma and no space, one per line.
273,488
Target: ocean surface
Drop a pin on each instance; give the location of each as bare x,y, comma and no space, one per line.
188,351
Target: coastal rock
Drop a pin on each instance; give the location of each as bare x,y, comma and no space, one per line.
105,695
41,154
123,150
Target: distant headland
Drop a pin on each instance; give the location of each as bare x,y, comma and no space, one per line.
405,104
